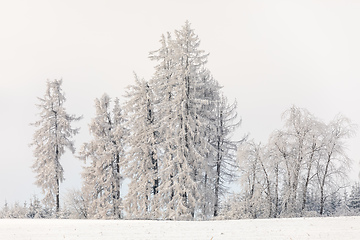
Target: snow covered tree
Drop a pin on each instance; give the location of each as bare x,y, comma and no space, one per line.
53,135
164,85
209,92
181,85
102,177
142,163
248,158
225,148
334,164
5,211
300,171
18,211
354,198
233,207
334,204
297,147
35,209
77,204
256,180
14,211
189,143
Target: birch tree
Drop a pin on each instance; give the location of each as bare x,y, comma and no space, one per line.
54,133
334,164
297,145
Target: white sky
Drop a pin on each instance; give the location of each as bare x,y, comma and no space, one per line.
267,54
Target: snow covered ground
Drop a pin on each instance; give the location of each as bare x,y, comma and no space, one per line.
292,229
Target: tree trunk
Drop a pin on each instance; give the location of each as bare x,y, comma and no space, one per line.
268,187
322,201
322,184
57,164
57,196
307,181
117,212
276,190
217,185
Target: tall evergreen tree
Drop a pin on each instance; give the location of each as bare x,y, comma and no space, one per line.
142,161
102,176
164,85
180,75
53,135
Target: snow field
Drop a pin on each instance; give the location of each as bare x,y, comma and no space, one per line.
341,228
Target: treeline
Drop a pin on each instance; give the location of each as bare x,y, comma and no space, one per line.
232,207
172,137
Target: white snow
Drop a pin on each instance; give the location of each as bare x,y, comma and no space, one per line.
343,228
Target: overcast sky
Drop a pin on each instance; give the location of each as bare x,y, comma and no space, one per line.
268,55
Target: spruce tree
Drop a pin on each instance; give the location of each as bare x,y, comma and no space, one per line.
354,199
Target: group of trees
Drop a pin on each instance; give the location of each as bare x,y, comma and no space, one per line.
172,139
301,169
179,127
35,209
